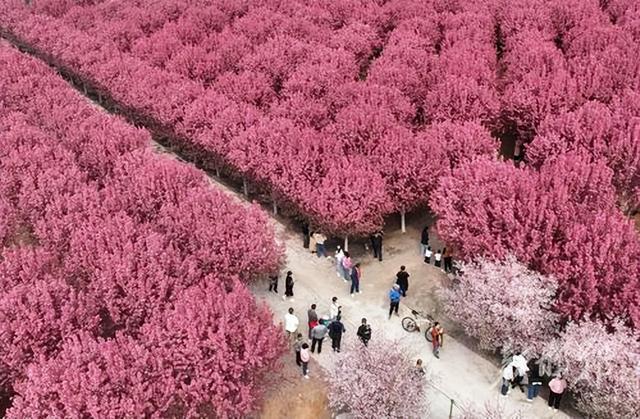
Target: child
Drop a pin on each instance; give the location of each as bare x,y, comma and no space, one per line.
427,255
273,283
297,346
304,357
438,258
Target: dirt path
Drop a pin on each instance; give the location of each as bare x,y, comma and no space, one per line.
464,375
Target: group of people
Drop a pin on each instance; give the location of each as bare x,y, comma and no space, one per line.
522,374
318,329
442,258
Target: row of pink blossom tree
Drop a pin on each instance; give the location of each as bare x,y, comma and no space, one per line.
123,273
344,111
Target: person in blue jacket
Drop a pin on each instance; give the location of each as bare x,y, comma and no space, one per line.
394,299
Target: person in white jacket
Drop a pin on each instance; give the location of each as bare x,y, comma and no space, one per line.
339,256
291,324
334,309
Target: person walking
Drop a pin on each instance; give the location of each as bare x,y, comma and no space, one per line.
508,373
291,323
335,310
364,332
297,346
424,240
394,299
336,329
305,235
273,283
320,239
437,338
402,279
356,274
535,381
288,286
347,264
438,259
318,334
312,318
339,258
304,358
557,386
448,260
427,255
376,244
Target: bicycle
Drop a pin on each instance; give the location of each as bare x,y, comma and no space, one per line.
411,324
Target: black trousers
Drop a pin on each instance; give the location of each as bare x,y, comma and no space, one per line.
335,342
305,240
273,286
298,359
394,307
554,399
377,251
448,264
315,342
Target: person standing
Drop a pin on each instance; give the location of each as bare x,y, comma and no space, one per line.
318,334
339,258
402,279
438,259
304,358
347,264
448,259
535,381
312,242
320,239
356,274
508,373
312,318
297,346
394,299
424,240
288,286
520,363
305,235
273,283
557,386
427,255
364,332
437,338
376,244
336,329
291,323
335,310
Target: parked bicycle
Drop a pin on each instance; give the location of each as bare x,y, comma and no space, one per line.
417,322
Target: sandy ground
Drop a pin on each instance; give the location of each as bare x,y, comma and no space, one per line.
463,373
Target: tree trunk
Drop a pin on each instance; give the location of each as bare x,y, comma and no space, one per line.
245,188
346,243
275,207
217,172
403,225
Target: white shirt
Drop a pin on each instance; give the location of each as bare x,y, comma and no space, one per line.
507,372
291,323
320,238
334,310
428,253
438,256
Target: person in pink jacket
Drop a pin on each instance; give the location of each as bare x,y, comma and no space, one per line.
557,387
347,264
304,357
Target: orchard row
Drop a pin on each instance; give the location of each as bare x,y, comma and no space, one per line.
123,273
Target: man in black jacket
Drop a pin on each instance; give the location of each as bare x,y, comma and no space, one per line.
402,279
364,332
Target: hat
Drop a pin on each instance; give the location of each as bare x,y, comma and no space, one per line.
396,286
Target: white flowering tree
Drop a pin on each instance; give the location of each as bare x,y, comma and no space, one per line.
377,381
602,368
503,304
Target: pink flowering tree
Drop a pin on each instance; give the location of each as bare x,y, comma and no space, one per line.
377,380
600,365
503,304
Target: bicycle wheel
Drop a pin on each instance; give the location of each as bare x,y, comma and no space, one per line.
409,324
427,334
